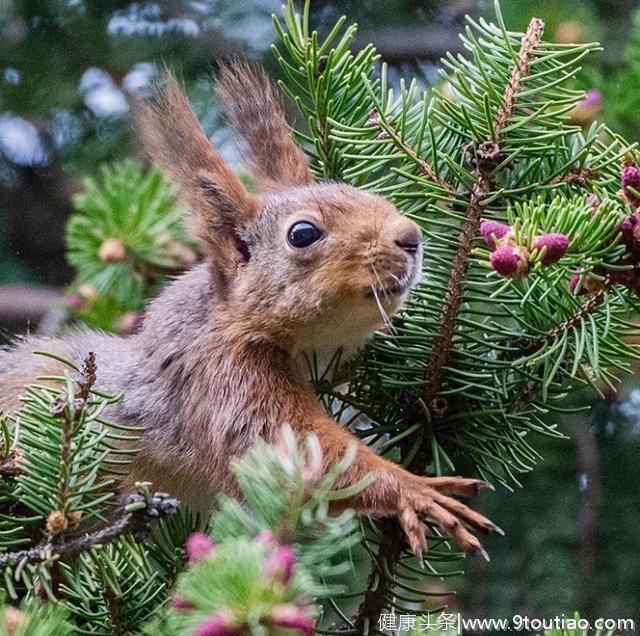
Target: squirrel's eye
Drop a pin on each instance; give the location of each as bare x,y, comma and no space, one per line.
303,234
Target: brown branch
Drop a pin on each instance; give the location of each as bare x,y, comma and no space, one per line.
453,300
455,288
376,598
380,579
529,345
576,176
530,41
592,303
136,519
70,415
10,465
114,611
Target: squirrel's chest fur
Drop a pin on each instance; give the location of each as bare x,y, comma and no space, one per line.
203,399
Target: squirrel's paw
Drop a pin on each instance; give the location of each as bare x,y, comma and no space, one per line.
424,498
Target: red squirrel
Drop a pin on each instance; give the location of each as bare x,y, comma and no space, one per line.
295,268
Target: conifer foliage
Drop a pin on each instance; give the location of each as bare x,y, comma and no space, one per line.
530,274
78,558
531,252
126,237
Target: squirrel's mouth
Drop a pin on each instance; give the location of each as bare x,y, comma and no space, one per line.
391,291
394,290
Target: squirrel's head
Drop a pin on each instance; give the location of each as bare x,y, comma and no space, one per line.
317,265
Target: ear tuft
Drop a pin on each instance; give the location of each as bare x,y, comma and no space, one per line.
220,205
255,111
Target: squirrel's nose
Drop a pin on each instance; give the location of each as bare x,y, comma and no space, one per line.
409,239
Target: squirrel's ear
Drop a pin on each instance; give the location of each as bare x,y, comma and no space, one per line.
255,111
220,205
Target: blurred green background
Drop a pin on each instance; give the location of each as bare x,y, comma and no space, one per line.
68,69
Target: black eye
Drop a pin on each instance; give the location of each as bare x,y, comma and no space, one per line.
303,234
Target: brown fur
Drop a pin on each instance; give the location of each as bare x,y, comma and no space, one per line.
258,116
221,357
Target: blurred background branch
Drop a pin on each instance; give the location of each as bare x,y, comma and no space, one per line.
22,302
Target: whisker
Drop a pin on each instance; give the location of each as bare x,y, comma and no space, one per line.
383,313
382,287
385,317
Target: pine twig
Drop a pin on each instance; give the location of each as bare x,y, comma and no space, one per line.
69,413
530,41
114,611
576,176
382,576
489,149
591,305
139,510
425,168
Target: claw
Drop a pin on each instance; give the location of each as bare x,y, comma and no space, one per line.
483,553
413,528
469,517
456,485
424,498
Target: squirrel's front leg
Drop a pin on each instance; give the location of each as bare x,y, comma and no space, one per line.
395,491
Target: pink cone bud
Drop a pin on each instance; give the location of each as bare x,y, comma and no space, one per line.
593,99
279,565
626,277
629,277
75,302
556,247
220,624
631,178
630,235
130,323
88,292
511,261
627,226
112,250
594,201
493,232
177,602
587,110
569,32
199,547
291,616
266,538
587,286
573,284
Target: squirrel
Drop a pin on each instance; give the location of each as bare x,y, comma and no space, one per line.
294,268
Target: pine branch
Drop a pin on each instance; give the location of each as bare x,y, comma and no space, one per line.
376,119
125,238
488,152
58,519
593,303
139,511
530,41
581,177
114,611
382,577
